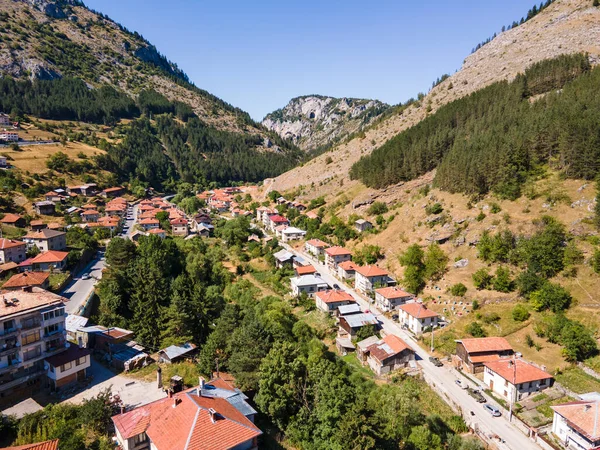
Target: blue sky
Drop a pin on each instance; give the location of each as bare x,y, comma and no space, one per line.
259,54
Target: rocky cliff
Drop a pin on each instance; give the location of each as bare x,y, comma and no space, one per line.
315,121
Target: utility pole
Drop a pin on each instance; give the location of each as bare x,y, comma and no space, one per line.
514,387
432,347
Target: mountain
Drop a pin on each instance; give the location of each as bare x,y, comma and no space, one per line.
315,121
60,60
565,27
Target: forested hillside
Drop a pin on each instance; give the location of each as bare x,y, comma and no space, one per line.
495,138
70,63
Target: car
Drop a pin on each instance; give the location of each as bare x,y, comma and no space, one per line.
492,410
85,276
395,316
462,384
436,362
477,395
336,286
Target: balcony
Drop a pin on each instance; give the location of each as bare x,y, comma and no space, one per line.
9,332
8,348
30,324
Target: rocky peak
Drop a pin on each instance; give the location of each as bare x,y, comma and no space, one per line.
313,121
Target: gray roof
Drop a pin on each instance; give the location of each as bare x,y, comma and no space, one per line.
344,342
174,351
44,203
360,320
283,255
308,280
235,397
352,308
73,322
300,260
366,343
293,230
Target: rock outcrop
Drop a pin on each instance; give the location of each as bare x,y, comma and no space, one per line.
314,121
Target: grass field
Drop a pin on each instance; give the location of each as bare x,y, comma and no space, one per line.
578,381
188,370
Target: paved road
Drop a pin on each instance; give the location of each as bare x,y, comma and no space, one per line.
80,289
443,377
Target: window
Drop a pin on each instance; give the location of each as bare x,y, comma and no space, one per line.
9,325
32,353
51,369
521,386
80,361
139,438
65,366
543,382
30,338
51,329
505,382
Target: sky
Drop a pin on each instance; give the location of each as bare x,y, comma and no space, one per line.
258,54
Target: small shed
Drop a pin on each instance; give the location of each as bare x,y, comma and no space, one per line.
175,353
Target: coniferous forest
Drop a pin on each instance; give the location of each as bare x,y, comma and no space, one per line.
495,138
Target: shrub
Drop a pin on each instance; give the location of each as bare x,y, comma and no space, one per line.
520,313
482,279
436,208
475,305
502,282
458,289
475,330
377,208
495,208
595,261
529,341
490,318
328,160
480,216
551,296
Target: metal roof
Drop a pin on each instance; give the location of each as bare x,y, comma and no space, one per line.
73,322
283,255
349,309
360,320
308,280
175,351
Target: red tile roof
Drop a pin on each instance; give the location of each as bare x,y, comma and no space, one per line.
387,347
317,243
11,218
278,219
149,222
583,416
180,221
371,271
488,344
50,256
418,310
337,251
9,243
334,296
392,292
27,279
189,424
46,445
305,270
348,266
90,212
517,370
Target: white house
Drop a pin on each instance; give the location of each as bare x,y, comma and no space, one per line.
362,225
330,300
577,424
292,234
68,367
3,162
347,270
416,317
9,136
336,255
514,379
315,246
368,277
307,284
389,298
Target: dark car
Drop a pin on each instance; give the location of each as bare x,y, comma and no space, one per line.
336,286
395,316
435,361
476,394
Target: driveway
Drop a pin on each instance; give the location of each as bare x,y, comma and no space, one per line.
443,378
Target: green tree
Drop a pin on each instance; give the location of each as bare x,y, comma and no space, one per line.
475,330
595,261
482,279
421,438
551,296
435,262
414,272
458,289
520,313
502,281
377,208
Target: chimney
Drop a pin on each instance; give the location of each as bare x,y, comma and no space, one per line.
170,393
213,415
159,378
176,401
202,382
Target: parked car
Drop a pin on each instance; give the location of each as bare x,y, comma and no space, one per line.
336,286
85,276
477,395
395,316
462,384
492,410
436,362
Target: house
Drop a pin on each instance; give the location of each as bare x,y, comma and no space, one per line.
312,215
176,353
336,255
32,321
416,317
14,220
515,379
350,324
344,345
44,208
283,258
367,278
292,234
388,354
204,230
37,225
362,347
3,162
347,270
90,215
315,247
331,300
262,212
53,196
112,192
68,367
9,136
158,232
47,239
4,119
51,260
473,352
305,270
275,220
577,424
179,227
73,323
12,251
21,280
136,235
191,419
362,225
26,266
389,298
149,224
307,284
87,190
347,310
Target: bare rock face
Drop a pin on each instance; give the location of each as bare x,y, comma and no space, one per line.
55,9
313,121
